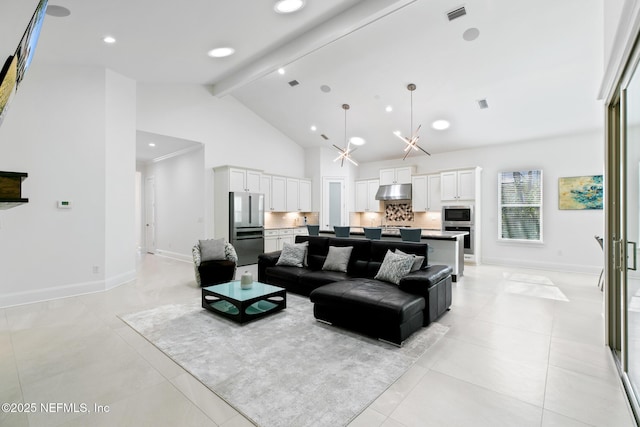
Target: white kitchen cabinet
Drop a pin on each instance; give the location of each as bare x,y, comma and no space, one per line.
419,193
458,185
435,203
304,196
425,193
265,188
275,239
278,194
244,180
365,192
396,175
298,195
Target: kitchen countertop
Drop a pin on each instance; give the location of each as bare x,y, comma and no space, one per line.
395,232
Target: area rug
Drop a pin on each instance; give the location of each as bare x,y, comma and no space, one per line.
286,369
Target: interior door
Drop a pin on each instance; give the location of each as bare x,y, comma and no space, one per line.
334,206
150,214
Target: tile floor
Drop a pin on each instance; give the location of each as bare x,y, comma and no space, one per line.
524,349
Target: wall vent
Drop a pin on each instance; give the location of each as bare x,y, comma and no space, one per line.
324,136
483,104
293,83
456,13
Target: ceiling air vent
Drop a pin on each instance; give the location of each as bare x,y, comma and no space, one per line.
456,13
293,83
482,103
324,136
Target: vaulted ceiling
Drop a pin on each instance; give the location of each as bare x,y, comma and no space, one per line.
538,64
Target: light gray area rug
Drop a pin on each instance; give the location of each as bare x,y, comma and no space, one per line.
286,369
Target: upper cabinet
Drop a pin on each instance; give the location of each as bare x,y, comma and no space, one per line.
396,175
244,180
458,185
425,193
298,197
275,193
366,196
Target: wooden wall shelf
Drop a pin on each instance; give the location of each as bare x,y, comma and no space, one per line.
11,189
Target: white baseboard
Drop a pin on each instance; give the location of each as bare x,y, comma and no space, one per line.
120,279
175,255
65,291
543,265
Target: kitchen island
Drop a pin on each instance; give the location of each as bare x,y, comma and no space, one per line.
445,247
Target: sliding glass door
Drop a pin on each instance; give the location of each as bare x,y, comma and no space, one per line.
623,229
630,189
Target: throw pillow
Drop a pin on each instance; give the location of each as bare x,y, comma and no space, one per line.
417,260
394,267
337,258
212,249
293,255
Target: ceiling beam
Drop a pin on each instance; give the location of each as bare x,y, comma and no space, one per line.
354,18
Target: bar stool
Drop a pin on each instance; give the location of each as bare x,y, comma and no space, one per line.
410,234
601,243
373,233
314,230
342,231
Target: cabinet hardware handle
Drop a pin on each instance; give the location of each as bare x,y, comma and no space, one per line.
633,256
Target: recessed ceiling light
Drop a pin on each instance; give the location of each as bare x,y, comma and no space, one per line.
471,34
313,128
288,6
57,11
440,125
397,132
388,108
151,144
356,140
109,40
221,52
281,71
325,88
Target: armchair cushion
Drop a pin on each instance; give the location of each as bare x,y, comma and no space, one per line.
212,249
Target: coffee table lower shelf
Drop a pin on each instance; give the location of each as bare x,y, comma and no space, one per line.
240,305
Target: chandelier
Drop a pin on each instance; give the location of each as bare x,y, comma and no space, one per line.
412,143
345,153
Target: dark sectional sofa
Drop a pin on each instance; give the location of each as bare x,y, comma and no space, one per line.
354,299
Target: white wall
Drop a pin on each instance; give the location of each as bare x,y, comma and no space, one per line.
180,203
568,235
56,132
120,154
231,133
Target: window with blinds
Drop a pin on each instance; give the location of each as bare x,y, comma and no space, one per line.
520,206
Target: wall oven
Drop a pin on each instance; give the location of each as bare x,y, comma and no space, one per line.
460,218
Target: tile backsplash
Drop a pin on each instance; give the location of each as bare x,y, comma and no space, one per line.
398,212
289,219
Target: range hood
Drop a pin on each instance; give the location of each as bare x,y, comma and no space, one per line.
394,192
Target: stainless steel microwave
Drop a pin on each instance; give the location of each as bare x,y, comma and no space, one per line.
457,214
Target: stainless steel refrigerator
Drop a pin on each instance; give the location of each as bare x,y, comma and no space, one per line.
246,226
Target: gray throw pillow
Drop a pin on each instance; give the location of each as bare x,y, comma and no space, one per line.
417,260
212,249
293,254
394,267
337,258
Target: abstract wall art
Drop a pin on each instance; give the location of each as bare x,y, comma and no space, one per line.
580,192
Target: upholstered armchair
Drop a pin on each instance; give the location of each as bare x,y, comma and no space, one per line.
214,271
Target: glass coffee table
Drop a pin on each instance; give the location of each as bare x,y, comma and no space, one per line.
243,305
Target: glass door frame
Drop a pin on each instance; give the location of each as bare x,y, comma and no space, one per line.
616,248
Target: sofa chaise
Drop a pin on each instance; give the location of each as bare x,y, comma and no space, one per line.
354,298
